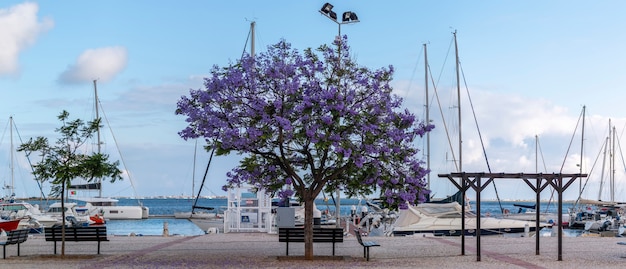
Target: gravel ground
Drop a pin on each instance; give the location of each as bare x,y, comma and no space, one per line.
255,250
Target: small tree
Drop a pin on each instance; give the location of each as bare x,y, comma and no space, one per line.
314,123
63,161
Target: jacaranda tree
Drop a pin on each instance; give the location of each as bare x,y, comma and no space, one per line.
310,122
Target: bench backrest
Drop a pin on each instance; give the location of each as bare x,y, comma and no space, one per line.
17,236
89,233
358,236
319,235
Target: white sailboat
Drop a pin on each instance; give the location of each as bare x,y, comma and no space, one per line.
446,217
598,216
105,206
29,216
528,212
206,218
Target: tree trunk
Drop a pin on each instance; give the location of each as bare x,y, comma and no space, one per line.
63,218
308,227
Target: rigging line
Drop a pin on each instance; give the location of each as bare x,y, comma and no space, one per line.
621,154
604,144
413,74
475,120
445,126
543,159
568,148
445,60
206,171
120,152
193,174
623,129
545,169
480,136
246,44
571,141
338,214
443,118
5,131
27,153
619,146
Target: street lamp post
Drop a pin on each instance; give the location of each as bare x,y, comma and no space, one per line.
346,18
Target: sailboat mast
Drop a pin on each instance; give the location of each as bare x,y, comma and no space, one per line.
458,88
582,142
252,24
95,90
612,183
12,157
607,147
427,114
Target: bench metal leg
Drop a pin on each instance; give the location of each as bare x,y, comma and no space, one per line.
287,249
333,248
18,249
4,251
366,253
55,247
98,247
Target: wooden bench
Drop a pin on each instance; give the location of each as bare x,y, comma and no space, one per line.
77,234
320,235
15,237
366,244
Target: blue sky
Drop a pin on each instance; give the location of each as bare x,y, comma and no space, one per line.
529,66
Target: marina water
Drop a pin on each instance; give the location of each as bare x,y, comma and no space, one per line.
162,210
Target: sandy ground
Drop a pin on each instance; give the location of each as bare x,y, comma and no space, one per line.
255,250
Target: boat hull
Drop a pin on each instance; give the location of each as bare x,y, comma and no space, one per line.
197,215
123,212
9,225
209,225
447,219
109,209
468,232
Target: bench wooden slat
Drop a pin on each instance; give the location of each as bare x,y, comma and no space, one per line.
320,235
76,234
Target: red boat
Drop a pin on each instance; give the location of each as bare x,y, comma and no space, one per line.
97,219
9,225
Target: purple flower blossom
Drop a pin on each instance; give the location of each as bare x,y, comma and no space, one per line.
296,119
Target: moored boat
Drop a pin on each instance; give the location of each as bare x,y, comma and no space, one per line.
55,210
100,206
29,215
208,224
109,209
446,218
529,213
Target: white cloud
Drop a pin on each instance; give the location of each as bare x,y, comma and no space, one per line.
101,64
19,28
508,125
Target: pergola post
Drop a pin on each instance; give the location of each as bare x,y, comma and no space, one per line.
554,180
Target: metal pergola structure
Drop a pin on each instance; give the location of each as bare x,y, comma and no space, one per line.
478,182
